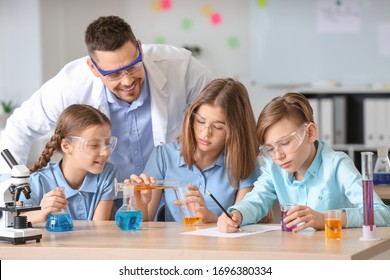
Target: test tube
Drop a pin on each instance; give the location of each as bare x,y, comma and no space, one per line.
369,228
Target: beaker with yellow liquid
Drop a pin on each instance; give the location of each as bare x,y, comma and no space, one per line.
189,215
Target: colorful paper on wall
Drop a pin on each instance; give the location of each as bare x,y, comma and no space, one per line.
186,24
207,10
161,5
160,40
233,42
262,3
166,4
156,6
216,19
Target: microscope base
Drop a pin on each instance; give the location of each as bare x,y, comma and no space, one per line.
20,236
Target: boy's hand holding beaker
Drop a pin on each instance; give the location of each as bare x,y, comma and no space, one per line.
302,217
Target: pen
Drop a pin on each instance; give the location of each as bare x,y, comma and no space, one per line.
223,209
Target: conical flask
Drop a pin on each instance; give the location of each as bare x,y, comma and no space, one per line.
382,167
128,216
59,221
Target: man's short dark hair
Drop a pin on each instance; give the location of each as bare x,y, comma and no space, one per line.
108,34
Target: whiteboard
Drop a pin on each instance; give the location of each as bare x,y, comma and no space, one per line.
288,46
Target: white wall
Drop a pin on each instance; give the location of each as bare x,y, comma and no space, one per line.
20,49
44,35
56,28
278,43
63,26
216,53
64,23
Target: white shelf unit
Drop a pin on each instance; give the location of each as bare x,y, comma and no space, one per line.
348,116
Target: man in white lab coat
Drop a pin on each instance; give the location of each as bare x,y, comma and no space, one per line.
144,89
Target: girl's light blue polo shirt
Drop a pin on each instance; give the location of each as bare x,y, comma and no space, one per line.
331,182
82,202
166,163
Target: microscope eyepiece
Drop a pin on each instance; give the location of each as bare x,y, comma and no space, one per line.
9,158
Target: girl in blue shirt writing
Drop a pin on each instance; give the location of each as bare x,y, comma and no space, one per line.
216,151
300,169
83,136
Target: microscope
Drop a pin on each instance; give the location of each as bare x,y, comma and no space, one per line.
14,227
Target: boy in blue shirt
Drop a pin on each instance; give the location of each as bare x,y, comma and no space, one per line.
300,169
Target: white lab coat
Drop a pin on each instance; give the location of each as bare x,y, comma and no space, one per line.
175,79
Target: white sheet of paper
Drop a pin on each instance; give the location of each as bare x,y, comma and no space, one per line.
338,16
247,230
384,38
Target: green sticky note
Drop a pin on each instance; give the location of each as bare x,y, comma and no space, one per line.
186,24
262,3
160,40
233,42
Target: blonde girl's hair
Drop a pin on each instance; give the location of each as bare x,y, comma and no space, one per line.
72,122
241,146
292,105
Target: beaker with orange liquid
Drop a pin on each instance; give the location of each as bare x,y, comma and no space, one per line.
333,226
188,213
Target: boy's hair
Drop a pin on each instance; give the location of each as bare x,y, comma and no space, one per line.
241,146
293,106
108,34
73,121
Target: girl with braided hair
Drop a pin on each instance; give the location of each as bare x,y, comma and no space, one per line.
82,135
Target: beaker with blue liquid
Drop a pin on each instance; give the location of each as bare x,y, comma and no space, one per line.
59,221
128,216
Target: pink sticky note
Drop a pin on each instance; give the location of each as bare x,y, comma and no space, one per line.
165,4
216,19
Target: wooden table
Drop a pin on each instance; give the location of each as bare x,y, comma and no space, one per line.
162,240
